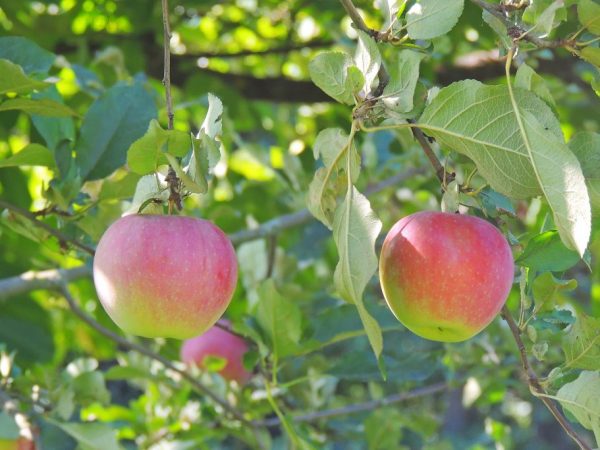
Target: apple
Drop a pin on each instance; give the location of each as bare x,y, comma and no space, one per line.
222,344
445,276
164,276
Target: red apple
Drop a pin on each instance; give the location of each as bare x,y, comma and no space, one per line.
445,276
17,444
164,276
222,344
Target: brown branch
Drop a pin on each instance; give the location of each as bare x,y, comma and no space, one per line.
440,172
149,353
534,384
317,43
167,62
359,407
63,239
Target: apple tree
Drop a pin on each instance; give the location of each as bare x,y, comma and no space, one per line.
219,179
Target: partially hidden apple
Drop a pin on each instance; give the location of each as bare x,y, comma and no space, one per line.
164,276
222,344
445,276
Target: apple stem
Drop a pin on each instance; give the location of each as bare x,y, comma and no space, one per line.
172,180
534,383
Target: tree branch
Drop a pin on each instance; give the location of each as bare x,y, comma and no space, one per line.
149,353
62,238
51,279
534,384
359,407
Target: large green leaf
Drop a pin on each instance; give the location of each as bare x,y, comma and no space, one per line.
582,343
113,122
27,54
13,79
520,153
582,399
355,229
427,19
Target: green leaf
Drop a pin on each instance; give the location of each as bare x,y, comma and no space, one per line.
527,78
331,72
42,107
355,228
431,18
582,399
479,121
30,155
582,343
13,79
54,130
586,146
117,189
399,93
212,124
280,318
368,60
114,121
493,202
499,28
206,149
389,9
588,12
331,146
148,152
89,387
545,15
27,54
546,287
90,436
591,55
546,252
149,188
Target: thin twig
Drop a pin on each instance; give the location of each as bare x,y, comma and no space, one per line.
167,62
62,238
149,353
534,384
440,172
359,407
317,43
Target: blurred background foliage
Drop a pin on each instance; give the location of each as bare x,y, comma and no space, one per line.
254,56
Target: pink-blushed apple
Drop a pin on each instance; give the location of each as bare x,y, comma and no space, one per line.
445,276
164,276
222,344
